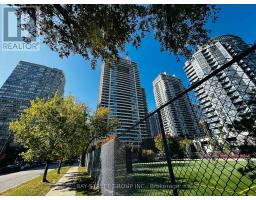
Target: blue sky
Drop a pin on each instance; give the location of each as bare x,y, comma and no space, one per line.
83,82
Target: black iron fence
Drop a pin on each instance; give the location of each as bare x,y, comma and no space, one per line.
208,149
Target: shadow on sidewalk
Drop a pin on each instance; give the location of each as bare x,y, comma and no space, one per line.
80,182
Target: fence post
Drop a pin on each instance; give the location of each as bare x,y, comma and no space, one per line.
128,159
167,155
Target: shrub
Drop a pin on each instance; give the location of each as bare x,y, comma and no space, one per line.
147,155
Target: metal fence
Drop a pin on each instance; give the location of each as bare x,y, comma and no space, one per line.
107,166
218,158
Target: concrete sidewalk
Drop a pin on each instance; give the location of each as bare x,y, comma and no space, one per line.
66,185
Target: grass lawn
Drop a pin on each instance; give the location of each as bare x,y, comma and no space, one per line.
35,187
199,177
85,184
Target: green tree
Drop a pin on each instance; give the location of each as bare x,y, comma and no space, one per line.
100,126
159,143
51,129
173,145
102,31
180,28
148,144
225,146
213,141
75,129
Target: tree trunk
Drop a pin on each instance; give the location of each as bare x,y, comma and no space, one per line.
82,159
45,172
59,166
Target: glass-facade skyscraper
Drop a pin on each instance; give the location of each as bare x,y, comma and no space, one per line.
121,92
27,82
154,125
226,95
178,118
